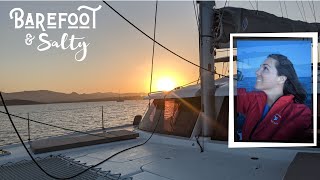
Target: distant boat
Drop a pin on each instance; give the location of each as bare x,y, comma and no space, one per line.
119,98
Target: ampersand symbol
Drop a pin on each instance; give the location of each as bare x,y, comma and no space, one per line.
29,39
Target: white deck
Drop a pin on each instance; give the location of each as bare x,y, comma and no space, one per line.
164,157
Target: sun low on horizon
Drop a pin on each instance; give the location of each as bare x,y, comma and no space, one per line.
165,84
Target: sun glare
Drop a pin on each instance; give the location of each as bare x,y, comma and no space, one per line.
165,84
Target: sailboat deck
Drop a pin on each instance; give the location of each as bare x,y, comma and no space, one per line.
167,158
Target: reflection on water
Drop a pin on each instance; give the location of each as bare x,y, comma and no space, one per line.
170,114
77,116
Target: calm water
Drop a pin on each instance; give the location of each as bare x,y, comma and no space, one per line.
78,116
249,82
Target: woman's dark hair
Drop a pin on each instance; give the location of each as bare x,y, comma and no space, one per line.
292,84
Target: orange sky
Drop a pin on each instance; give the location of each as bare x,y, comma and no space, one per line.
118,57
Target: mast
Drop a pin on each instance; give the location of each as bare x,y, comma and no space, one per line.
119,98
207,61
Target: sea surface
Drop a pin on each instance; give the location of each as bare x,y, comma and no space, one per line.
77,116
249,83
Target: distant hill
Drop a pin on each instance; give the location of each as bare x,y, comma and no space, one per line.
47,97
19,102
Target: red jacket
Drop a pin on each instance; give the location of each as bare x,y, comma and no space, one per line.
285,120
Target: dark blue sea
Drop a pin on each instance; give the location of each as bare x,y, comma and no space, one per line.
249,82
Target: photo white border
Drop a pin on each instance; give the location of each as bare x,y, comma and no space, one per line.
314,36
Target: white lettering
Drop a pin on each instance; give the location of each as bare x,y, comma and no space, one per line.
45,43
39,21
83,50
72,43
83,20
93,13
52,20
87,19
29,20
51,16
62,18
75,19
17,19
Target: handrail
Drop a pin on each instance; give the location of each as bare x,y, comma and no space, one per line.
67,129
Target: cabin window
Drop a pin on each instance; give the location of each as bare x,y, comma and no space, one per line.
173,116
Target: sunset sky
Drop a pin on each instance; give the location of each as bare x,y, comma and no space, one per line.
118,57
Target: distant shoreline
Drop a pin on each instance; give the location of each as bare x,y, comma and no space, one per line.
15,102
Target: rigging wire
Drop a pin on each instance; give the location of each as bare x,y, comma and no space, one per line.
219,25
154,41
313,12
54,177
304,13
9,115
186,84
86,133
197,140
178,87
281,8
15,129
285,6
300,10
51,125
251,5
152,38
153,45
160,43
61,110
7,112
225,3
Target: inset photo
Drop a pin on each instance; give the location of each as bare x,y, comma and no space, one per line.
274,104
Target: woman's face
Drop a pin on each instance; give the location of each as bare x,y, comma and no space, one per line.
267,76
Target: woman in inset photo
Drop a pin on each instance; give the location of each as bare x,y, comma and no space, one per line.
276,111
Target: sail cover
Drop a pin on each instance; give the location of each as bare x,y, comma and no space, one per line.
238,20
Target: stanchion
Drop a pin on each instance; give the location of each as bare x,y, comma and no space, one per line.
29,128
102,118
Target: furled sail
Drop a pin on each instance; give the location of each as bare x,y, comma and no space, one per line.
238,20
